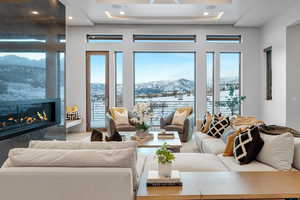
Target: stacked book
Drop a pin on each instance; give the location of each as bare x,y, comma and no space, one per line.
154,179
166,136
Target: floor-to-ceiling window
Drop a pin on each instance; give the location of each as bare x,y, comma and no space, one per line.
97,89
223,83
165,79
119,79
229,82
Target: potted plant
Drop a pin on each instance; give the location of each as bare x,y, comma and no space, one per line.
142,114
165,159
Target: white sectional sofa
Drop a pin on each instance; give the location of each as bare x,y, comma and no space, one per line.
111,183
216,146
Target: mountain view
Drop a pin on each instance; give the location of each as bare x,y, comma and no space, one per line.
22,78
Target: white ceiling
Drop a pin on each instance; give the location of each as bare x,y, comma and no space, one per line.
245,13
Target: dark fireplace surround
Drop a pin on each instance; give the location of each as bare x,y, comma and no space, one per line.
19,117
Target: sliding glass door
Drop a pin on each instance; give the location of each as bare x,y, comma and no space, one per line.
97,89
166,80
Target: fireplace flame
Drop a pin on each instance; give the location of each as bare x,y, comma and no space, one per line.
41,116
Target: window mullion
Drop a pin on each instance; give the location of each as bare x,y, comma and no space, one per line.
216,82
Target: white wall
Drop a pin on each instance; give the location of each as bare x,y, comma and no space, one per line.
293,74
77,46
274,34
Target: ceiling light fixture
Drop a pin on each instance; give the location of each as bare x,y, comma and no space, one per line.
70,17
205,13
34,12
122,12
108,15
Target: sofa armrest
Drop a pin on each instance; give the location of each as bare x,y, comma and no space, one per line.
49,183
188,128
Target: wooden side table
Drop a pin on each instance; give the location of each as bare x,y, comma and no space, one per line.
226,185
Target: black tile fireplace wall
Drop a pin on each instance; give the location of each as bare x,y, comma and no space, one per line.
32,54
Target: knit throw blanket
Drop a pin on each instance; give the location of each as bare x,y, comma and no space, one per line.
277,130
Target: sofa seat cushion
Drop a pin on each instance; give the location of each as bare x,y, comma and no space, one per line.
174,128
213,145
125,127
199,137
232,165
190,162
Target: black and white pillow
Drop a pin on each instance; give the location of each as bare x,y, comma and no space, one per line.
218,126
247,145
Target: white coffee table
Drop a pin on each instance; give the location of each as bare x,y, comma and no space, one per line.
172,144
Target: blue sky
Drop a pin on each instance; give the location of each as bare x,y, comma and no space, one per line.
155,66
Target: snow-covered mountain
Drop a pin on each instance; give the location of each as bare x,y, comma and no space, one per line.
180,85
18,60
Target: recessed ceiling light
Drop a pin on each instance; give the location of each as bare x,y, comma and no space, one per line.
122,12
70,17
205,13
108,15
34,12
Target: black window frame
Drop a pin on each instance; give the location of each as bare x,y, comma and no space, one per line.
164,38
269,80
224,38
104,37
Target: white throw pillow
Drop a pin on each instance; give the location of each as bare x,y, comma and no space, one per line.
179,118
121,118
117,158
278,151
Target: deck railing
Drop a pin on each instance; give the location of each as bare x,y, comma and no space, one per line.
160,108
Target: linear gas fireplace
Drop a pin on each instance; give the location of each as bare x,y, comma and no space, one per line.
19,117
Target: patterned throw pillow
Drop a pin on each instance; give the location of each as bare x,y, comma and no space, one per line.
227,132
247,145
205,122
218,126
179,118
121,118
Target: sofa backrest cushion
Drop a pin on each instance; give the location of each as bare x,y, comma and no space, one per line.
296,162
278,151
36,144
117,158
74,145
228,131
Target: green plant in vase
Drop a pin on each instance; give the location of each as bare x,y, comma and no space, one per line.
165,158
